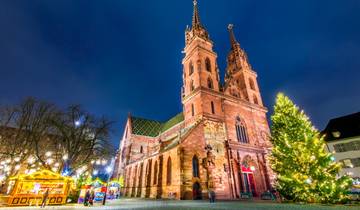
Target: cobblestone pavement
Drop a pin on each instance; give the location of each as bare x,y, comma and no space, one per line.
139,204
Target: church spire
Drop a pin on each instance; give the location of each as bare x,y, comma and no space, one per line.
197,29
233,41
196,17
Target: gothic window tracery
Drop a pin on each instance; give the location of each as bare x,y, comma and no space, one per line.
192,87
195,166
241,132
168,172
192,110
256,100
208,64
155,173
212,108
252,84
210,83
191,68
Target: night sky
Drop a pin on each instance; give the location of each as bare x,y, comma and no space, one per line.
120,56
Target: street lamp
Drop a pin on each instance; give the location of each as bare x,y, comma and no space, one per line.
108,171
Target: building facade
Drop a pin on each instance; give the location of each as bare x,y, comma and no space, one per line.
218,142
342,136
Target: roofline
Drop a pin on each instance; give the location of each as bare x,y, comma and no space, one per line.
342,139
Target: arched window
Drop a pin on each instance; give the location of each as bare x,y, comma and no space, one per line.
210,83
241,132
191,68
208,64
252,84
155,173
195,166
192,87
212,108
141,149
192,110
168,172
256,100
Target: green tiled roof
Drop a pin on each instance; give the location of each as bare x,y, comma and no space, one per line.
173,121
153,128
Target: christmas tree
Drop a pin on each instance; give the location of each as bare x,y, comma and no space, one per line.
305,171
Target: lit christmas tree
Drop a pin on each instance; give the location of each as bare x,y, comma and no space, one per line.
305,171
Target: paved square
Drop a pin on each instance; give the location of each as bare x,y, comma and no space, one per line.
139,204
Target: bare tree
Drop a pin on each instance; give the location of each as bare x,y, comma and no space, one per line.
82,137
36,135
21,128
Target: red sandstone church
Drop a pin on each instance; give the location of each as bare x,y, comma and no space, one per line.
218,142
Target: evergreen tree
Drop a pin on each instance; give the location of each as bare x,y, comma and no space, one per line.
305,171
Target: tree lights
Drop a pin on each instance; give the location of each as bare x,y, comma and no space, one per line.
305,171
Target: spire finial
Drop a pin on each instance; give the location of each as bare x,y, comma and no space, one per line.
196,16
232,35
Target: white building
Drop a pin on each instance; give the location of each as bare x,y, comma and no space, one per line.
342,136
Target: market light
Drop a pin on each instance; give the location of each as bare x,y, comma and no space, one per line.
308,181
98,162
65,157
57,164
77,123
31,160
49,161
8,161
17,167
332,158
48,154
252,168
92,162
17,159
108,169
95,172
104,162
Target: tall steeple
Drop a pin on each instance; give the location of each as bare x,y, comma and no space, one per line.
233,41
196,17
240,79
200,73
197,29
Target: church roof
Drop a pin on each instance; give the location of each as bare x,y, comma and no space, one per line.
153,128
343,127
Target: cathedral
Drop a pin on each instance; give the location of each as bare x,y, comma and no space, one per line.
220,140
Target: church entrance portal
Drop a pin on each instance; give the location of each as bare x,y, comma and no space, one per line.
197,191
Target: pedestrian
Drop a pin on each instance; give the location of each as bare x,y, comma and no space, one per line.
45,197
87,198
92,197
211,196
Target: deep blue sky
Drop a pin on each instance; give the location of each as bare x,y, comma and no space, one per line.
120,56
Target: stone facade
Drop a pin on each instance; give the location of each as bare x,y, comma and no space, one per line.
220,140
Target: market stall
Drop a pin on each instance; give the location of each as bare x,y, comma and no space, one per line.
97,186
29,189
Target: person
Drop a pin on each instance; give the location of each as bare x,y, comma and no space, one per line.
87,198
92,197
211,196
45,197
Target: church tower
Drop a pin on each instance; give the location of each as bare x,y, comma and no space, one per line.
200,73
240,78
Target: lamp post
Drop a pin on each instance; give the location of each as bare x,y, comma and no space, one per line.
108,171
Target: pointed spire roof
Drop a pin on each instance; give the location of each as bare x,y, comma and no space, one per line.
233,41
197,29
196,17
